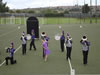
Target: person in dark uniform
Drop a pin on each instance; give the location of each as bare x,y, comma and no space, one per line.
24,41
85,49
32,41
68,47
11,56
62,41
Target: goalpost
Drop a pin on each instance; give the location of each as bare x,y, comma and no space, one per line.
12,19
42,20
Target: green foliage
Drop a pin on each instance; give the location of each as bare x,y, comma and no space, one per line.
18,11
21,11
31,11
52,13
3,7
48,11
85,8
66,12
74,9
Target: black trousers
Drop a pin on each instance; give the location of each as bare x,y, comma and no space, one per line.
62,45
68,54
23,49
43,53
85,57
32,44
12,61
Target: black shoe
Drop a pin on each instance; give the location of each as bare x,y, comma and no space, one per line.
15,61
62,51
85,64
6,64
67,59
35,49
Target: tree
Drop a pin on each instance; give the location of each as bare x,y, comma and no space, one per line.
85,8
3,7
31,11
18,11
66,12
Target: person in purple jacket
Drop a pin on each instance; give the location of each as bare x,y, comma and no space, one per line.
45,37
11,56
32,41
62,41
46,50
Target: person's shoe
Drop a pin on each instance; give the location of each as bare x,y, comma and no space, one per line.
6,64
85,64
66,58
35,49
15,61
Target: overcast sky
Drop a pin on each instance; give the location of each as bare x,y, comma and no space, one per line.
20,4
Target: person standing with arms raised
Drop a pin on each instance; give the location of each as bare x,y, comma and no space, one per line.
68,47
85,49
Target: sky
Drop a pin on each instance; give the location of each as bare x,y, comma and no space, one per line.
21,4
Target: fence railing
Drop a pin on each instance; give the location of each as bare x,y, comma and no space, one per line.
66,19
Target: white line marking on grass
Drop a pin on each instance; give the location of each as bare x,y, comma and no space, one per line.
68,59
72,71
70,64
2,63
14,52
17,49
65,46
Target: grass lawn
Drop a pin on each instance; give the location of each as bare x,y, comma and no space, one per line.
33,64
48,20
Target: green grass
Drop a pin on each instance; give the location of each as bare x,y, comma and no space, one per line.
48,20
33,64
64,20
12,20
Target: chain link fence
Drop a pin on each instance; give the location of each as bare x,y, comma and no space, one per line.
71,18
